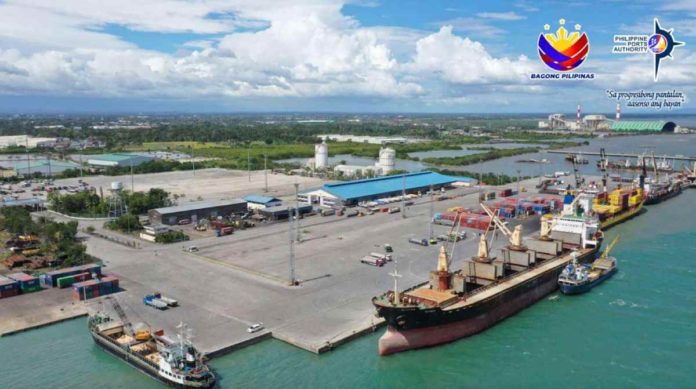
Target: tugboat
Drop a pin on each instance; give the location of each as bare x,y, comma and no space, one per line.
175,363
579,278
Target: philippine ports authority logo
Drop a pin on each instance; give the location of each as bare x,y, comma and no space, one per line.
563,52
661,44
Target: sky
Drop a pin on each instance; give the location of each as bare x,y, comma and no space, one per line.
61,56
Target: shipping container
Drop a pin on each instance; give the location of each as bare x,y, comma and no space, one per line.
26,282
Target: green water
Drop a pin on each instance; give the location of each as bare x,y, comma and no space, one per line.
636,330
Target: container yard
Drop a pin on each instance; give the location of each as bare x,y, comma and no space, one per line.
235,277
331,302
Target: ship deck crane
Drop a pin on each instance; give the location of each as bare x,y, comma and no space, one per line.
611,245
514,236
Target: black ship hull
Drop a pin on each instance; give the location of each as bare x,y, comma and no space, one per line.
651,200
410,327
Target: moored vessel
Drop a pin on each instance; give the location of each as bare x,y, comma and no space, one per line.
487,289
579,278
175,363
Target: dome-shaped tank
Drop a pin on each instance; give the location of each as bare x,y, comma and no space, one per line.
387,159
321,156
116,185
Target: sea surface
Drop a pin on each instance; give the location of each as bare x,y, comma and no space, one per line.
636,330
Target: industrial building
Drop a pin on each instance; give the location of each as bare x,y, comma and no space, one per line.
25,141
353,192
195,211
281,212
43,166
643,126
118,160
260,202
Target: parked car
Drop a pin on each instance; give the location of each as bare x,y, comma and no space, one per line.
255,328
184,221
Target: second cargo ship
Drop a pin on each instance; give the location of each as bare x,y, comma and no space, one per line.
488,289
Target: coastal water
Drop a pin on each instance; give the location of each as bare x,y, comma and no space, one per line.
636,330
667,144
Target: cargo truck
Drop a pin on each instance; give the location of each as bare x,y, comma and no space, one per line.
386,257
422,242
154,302
370,260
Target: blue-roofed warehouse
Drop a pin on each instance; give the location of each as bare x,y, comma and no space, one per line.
353,192
258,201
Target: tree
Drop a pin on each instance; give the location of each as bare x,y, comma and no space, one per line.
125,223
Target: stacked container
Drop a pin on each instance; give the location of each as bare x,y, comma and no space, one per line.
27,283
50,279
66,281
95,288
8,287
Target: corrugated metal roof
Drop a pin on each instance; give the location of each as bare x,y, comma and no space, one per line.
21,202
197,205
258,199
390,184
648,125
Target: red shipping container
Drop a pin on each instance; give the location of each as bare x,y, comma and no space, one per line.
9,293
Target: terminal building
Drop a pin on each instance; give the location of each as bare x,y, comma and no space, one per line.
260,202
354,192
118,160
196,211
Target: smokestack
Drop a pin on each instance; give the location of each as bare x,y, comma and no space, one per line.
618,111
577,118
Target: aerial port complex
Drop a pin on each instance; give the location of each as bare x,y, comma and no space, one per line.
240,256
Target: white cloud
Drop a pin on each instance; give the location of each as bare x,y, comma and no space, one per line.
304,48
473,26
463,61
501,15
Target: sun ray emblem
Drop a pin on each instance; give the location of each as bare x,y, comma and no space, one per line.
563,50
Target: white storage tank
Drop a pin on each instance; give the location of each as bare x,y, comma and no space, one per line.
387,159
321,156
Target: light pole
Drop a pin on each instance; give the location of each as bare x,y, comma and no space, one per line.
403,197
518,183
297,213
265,172
292,248
432,211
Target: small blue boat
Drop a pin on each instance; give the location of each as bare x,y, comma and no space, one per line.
579,278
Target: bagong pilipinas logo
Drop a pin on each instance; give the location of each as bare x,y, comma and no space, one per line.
563,52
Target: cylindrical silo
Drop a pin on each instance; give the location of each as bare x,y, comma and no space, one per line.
321,156
387,159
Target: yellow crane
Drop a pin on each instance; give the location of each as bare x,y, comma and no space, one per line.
611,245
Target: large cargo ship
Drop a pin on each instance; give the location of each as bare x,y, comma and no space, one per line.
657,192
175,363
486,290
618,205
